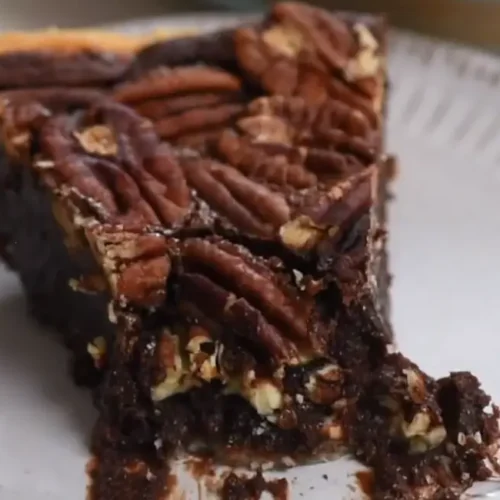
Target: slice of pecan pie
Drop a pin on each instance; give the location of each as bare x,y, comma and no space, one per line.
203,220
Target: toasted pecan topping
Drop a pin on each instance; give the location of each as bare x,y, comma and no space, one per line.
302,50
139,183
246,204
278,174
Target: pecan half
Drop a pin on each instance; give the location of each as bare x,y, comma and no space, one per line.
185,100
247,297
333,228
342,205
165,82
234,199
303,50
135,263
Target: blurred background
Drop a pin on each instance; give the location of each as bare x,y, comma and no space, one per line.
474,22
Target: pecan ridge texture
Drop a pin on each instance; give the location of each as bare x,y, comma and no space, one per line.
189,105
303,50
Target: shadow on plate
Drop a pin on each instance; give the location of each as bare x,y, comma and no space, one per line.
33,364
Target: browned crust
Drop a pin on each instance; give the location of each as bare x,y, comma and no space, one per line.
75,40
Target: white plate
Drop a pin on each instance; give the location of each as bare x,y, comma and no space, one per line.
445,240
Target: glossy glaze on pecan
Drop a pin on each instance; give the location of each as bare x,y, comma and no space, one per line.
248,297
188,104
135,263
303,50
230,199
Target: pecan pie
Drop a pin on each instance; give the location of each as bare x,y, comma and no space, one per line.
203,220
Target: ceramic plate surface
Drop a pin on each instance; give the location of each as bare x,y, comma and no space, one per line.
444,124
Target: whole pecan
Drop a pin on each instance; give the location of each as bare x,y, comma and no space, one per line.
185,103
303,50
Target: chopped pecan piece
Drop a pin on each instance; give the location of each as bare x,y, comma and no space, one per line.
98,139
185,100
302,50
